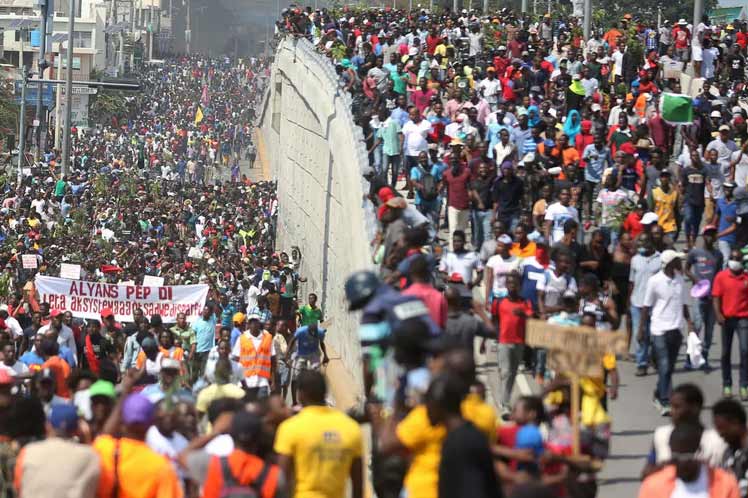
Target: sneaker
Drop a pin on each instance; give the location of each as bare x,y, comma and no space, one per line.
727,392
687,365
641,371
706,367
665,411
658,406
744,393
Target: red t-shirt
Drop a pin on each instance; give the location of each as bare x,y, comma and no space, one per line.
742,39
433,299
457,193
511,326
632,224
733,289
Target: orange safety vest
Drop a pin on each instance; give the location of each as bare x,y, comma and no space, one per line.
256,361
177,354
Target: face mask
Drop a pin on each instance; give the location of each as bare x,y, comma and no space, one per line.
642,251
735,266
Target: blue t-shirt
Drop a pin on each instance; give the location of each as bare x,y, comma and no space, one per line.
308,343
727,216
227,315
205,330
532,273
417,173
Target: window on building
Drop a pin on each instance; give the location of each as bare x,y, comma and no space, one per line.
26,35
82,39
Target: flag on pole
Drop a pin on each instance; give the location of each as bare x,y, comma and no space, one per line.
676,108
198,115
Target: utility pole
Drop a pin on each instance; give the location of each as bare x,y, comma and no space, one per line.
22,126
587,18
524,6
698,11
188,31
41,129
58,98
66,138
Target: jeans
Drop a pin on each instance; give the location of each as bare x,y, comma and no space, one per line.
666,347
724,247
378,159
509,357
611,237
703,314
391,164
693,216
642,348
732,325
591,189
541,356
430,209
481,227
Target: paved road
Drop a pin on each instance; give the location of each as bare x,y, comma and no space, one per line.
634,416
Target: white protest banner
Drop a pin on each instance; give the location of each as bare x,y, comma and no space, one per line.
71,271
29,261
87,299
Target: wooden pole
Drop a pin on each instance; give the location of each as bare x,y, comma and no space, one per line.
574,378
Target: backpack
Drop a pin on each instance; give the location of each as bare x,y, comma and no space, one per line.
232,489
430,191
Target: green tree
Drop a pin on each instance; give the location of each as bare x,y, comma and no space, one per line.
106,104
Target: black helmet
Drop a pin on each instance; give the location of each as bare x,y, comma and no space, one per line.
360,287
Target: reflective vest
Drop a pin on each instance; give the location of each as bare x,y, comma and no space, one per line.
256,361
173,353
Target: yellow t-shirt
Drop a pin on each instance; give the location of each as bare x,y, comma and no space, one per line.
664,207
323,443
217,391
481,414
424,441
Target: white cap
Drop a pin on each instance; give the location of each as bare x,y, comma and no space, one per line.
596,107
504,239
669,255
715,114
737,110
649,218
170,363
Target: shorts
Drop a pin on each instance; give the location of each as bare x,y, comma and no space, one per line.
282,374
301,363
697,53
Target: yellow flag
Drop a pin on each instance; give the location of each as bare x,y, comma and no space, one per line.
199,115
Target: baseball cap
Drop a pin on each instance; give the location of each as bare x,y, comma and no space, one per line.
668,256
504,239
107,312
737,110
456,278
596,108
724,128
239,317
137,409
63,417
102,388
715,114
253,316
55,313
649,218
170,364
5,378
709,228
728,185
501,48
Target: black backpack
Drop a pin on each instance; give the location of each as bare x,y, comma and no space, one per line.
430,190
232,489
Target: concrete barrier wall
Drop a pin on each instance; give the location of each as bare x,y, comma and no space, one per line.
318,156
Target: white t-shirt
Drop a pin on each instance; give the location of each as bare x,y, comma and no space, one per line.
491,90
696,489
711,450
415,137
236,351
500,268
741,168
558,214
555,286
169,447
251,296
666,297
14,326
464,264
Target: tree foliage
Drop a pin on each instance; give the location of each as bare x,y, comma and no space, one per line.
106,104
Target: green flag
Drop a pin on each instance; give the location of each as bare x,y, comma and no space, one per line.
676,108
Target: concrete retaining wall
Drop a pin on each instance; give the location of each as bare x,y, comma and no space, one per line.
318,157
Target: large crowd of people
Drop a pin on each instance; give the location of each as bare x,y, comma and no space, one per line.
519,172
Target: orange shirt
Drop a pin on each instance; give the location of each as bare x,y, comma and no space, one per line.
526,252
141,472
246,469
61,370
